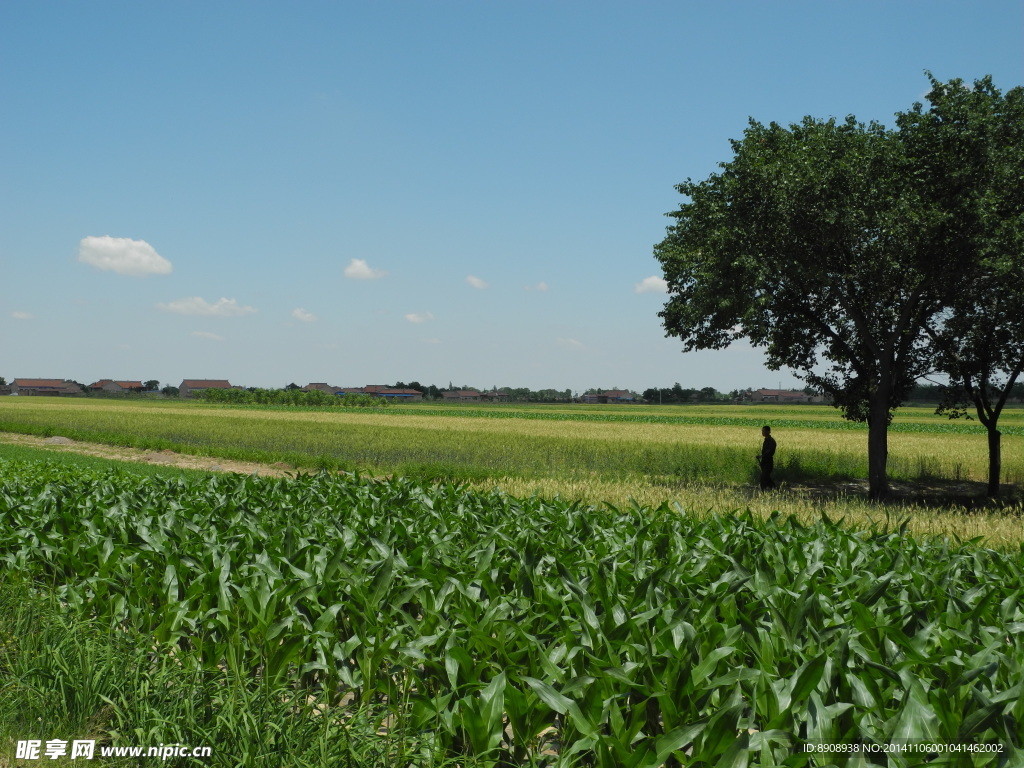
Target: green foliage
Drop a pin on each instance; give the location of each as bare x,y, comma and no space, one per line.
70,675
836,246
527,632
979,343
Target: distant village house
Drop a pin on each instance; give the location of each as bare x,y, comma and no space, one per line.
46,387
117,387
460,395
375,390
784,396
611,396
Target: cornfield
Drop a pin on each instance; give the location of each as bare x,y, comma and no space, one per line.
522,631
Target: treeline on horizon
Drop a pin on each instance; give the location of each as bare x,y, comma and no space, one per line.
293,394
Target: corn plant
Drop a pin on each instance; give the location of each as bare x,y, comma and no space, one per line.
520,631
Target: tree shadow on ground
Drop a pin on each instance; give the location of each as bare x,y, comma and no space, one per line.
931,493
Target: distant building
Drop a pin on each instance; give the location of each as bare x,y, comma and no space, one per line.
405,395
611,396
188,386
117,387
50,387
784,396
320,386
460,395
375,390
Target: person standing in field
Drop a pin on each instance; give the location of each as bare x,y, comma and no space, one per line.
767,458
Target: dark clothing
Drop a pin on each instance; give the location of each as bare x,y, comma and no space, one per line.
767,462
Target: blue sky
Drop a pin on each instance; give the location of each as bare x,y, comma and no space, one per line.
361,193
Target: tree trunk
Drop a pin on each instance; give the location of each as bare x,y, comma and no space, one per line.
878,444
995,461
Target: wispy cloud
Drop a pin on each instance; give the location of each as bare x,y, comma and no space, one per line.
197,306
22,315
358,269
300,314
413,317
541,286
476,282
569,343
207,335
652,284
123,256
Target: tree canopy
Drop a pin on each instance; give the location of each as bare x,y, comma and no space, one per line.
835,245
970,148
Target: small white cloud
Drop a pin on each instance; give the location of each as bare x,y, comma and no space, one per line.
207,335
569,343
476,282
412,317
123,256
358,269
652,284
541,286
197,306
22,315
300,314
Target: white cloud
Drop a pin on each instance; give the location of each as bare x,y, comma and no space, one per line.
476,282
569,343
412,317
22,315
197,306
652,284
541,286
300,314
122,255
358,269
207,335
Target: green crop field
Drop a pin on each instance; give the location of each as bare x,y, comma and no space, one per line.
701,457
709,444
344,621
506,585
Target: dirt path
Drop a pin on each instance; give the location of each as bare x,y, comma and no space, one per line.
167,458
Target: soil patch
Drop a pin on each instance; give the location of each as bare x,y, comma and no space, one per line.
167,457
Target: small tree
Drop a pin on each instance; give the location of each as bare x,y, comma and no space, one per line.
969,147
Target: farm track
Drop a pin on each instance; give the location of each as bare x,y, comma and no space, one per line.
142,456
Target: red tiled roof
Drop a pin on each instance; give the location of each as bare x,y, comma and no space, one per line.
206,384
122,384
41,383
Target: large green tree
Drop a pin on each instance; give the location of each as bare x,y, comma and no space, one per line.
816,243
968,149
